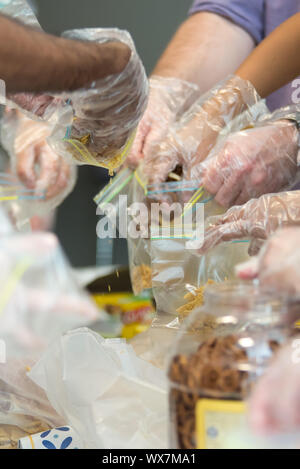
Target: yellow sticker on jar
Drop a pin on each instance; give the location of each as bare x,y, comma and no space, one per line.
216,420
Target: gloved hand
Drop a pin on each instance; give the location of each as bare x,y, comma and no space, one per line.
278,264
253,162
107,113
191,139
37,166
275,403
168,99
257,219
96,116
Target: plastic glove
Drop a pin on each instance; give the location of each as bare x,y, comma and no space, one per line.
107,113
277,265
252,163
168,99
37,166
275,403
257,219
191,139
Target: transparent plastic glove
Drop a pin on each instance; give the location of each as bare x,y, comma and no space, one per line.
252,163
278,263
168,99
191,139
275,403
107,113
35,163
257,219
40,106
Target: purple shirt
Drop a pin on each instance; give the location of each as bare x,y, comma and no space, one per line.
259,18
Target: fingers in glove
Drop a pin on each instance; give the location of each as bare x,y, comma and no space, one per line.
223,233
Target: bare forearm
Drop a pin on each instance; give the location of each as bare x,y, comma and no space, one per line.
276,61
199,50
35,62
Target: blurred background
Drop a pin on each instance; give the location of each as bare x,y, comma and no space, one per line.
151,23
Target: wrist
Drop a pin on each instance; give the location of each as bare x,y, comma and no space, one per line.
81,63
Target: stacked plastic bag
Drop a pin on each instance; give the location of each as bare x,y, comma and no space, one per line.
109,396
39,300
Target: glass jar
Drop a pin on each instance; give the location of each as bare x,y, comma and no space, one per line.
223,349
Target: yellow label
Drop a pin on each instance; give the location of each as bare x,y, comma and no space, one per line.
125,301
216,419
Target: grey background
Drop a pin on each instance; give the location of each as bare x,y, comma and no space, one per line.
151,23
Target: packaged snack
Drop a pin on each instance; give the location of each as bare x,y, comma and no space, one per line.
106,115
178,273
119,202
134,313
219,355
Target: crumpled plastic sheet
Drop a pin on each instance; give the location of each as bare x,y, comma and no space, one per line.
108,395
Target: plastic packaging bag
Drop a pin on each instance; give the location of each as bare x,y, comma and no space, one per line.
119,201
111,398
13,197
39,300
177,272
6,225
107,114
139,238
52,177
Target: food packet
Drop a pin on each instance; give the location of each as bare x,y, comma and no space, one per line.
50,185
39,300
120,201
178,274
6,224
110,397
106,115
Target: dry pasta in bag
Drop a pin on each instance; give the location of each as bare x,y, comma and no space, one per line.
120,202
139,238
179,276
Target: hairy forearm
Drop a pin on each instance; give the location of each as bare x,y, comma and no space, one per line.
33,61
276,61
199,50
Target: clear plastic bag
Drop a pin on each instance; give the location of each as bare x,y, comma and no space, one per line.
107,114
111,398
139,239
53,177
13,197
178,274
116,202
39,300
6,224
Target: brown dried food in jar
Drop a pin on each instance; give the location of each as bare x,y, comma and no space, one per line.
213,371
